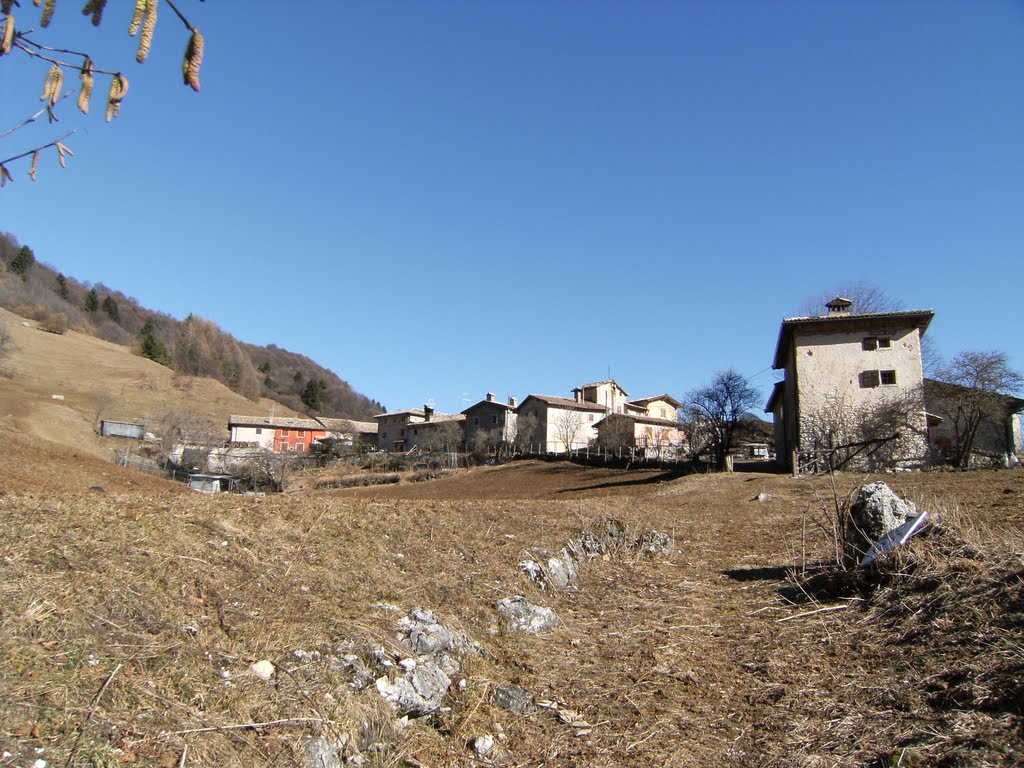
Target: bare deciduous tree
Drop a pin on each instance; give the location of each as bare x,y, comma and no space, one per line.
866,298
976,383
524,432
712,413
567,428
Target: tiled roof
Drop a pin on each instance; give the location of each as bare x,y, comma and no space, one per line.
347,425
408,411
565,402
643,401
278,422
599,383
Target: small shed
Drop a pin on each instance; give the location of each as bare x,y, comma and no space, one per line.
135,430
211,483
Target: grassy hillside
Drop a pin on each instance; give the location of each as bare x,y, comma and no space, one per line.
193,346
97,379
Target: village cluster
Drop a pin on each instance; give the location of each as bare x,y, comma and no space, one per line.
852,392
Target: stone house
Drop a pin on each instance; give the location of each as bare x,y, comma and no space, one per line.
490,423
853,386
653,436
392,427
557,424
998,438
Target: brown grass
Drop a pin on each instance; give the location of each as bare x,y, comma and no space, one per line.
130,615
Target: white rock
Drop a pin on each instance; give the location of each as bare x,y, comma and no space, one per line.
264,670
407,664
483,745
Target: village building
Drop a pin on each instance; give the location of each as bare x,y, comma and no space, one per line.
606,393
550,424
662,406
652,436
490,424
283,434
843,373
997,439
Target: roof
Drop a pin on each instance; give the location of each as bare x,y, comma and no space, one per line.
640,420
408,411
938,388
599,383
647,400
495,403
278,422
919,318
777,392
564,402
347,425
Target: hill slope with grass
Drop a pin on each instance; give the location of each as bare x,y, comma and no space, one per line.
193,346
57,387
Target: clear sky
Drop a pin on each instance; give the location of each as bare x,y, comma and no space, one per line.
439,199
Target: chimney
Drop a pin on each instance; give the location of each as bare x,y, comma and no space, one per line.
427,412
511,401
490,397
840,305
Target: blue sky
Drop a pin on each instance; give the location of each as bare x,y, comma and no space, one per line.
440,199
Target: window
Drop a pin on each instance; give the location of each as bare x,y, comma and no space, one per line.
300,433
300,448
870,344
285,432
590,417
476,421
259,430
888,378
884,342
494,419
868,379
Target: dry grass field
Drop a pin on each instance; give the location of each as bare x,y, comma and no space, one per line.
132,610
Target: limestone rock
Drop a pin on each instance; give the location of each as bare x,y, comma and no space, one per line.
523,616
876,511
513,699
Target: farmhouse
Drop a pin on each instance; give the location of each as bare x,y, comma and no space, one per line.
557,424
853,384
653,436
490,423
997,434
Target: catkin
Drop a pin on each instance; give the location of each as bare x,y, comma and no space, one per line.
118,88
47,13
140,11
35,165
8,40
193,60
95,8
54,82
85,92
148,25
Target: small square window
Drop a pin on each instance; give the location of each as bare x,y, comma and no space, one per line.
259,430
870,344
888,378
494,419
300,433
884,342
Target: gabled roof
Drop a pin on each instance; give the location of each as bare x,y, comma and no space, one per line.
936,388
645,401
407,412
495,403
838,323
564,402
439,418
277,422
599,383
347,425
652,420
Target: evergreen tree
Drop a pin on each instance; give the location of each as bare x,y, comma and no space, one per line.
110,307
21,263
152,347
311,394
92,301
62,286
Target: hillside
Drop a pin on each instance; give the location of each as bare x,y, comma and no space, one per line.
193,346
97,379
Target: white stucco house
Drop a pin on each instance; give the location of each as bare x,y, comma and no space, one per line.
850,379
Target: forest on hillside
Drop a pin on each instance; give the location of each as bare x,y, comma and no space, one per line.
193,346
